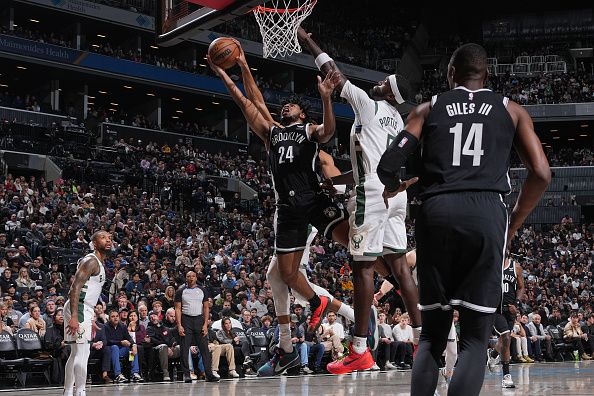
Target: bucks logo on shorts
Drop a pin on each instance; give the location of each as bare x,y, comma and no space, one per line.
356,241
330,212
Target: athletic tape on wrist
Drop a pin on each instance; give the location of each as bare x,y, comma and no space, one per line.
395,90
322,59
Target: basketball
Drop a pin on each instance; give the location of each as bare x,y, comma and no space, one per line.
224,52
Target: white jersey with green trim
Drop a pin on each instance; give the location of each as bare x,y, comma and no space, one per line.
91,290
377,123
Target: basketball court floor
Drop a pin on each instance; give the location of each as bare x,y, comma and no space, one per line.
568,378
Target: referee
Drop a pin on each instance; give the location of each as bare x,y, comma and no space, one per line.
191,307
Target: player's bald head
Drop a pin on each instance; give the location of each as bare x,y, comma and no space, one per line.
468,62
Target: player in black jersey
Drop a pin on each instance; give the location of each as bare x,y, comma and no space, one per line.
467,135
513,290
292,146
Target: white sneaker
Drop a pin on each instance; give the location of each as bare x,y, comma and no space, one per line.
390,366
375,367
232,373
216,374
193,376
507,381
491,361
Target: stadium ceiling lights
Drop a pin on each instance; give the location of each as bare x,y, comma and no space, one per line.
90,97
150,94
34,20
154,47
584,135
127,87
202,64
554,130
570,139
198,108
4,85
176,99
215,103
253,68
101,35
176,117
584,125
556,137
102,92
21,67
179,111
114,104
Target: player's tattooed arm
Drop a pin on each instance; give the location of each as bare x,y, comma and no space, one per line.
88,266
251,88
252,115
315,50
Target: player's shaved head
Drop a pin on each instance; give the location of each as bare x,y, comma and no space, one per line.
468,62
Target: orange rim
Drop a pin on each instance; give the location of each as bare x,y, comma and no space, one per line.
263,10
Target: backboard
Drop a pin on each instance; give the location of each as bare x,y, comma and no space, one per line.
179,20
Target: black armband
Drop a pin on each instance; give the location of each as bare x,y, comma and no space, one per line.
388,169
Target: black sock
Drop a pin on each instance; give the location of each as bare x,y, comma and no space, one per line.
314,302
494,353
505,368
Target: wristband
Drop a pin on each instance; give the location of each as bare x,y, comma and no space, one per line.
322,59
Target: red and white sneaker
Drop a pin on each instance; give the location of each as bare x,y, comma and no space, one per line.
318,315
352,362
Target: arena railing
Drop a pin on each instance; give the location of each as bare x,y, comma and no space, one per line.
31,117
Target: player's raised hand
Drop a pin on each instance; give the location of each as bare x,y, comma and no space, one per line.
241,61
217,69
403,186
302,34
326,86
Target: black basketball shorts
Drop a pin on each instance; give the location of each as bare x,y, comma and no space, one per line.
294,215
504,323
460,249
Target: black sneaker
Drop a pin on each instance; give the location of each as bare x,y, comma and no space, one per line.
281,361
137,378
187,379
212,378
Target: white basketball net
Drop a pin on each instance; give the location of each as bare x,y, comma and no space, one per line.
279,24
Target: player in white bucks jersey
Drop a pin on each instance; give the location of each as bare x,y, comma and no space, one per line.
462,225
376,229
292,149
79,310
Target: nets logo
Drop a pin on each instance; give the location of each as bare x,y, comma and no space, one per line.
330,212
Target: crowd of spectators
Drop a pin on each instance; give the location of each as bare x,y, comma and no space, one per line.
46,226
548,88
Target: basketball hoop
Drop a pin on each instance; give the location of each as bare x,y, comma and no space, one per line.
279,24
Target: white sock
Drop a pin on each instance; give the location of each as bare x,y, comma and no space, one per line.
285,337
359,344
347,312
